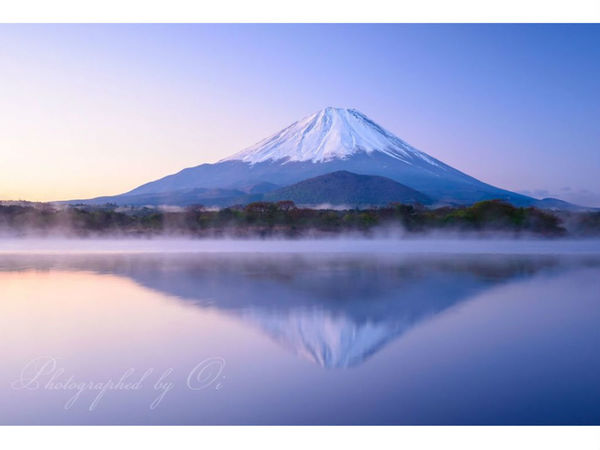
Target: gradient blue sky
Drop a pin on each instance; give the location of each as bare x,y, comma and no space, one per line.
92,110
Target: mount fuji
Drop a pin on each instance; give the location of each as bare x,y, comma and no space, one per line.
330,140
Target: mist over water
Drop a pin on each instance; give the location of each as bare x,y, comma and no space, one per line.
304,332
494,244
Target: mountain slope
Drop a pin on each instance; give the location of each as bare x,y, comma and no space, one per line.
184,197
332,133
327,141
346,188
331,140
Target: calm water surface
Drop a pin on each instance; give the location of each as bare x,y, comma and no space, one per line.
299,339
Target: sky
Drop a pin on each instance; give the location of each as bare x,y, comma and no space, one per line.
90,110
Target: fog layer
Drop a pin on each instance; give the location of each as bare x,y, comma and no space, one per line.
341,245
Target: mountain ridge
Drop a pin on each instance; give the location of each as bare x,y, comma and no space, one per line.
328,141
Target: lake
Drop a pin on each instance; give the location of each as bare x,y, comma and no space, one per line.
300,333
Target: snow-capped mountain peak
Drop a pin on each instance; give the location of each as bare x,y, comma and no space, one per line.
328,141
328,134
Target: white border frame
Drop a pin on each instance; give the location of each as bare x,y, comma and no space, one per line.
431,11
303,438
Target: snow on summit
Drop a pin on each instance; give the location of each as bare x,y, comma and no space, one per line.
332,133
327,141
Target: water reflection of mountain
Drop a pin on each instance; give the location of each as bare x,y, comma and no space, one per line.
336,311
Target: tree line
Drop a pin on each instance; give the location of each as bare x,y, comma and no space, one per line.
284,218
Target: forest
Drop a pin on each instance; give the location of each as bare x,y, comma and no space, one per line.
285,219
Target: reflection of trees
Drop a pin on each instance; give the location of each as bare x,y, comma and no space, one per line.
334,310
